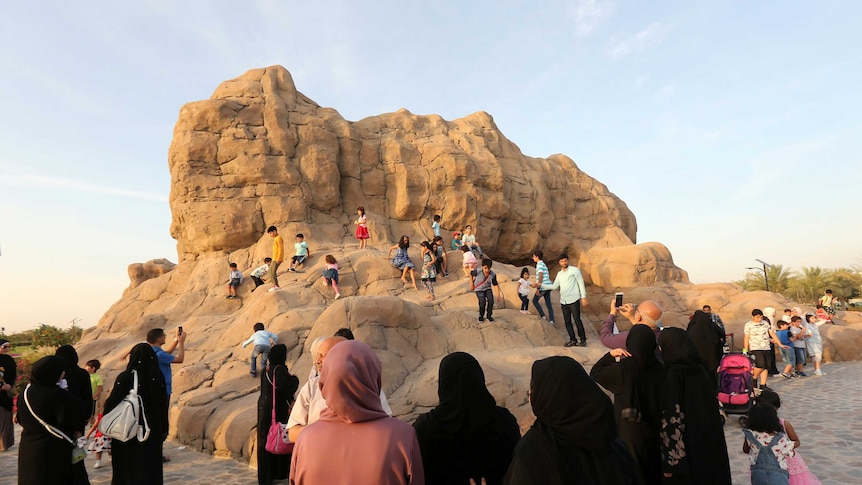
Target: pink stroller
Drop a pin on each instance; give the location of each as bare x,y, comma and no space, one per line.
735,390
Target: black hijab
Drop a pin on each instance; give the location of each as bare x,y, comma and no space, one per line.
693,442
47,371
574,437
569,405
465,406
467,435
277,355
707,338
642,345
78,379
677,347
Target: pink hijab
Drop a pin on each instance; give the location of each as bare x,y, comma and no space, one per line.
350,383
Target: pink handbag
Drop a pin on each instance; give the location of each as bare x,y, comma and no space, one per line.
277,440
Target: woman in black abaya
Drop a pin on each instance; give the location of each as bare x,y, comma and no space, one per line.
574,438
693,446
635,381
78,382
135,462
708,340
467,435
274,467
44,459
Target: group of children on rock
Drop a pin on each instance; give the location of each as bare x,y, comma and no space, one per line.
432,252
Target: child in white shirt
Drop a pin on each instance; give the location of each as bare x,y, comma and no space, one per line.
259,272
524,290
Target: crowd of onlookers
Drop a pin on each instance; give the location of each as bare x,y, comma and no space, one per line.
663,425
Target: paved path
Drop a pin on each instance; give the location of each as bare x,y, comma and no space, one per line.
824,410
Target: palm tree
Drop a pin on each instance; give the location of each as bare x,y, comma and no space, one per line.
808,283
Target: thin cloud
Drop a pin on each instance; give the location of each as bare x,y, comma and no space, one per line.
589,14
666,92
42,182
652,35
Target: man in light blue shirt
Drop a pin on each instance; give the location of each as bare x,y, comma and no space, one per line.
573,294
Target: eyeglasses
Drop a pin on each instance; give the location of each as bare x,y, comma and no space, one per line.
5,346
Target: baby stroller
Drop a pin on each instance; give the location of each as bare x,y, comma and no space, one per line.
735,389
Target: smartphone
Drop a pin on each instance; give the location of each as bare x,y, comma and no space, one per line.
180,330
618,302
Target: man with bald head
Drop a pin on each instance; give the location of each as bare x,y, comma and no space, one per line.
647,313
310,402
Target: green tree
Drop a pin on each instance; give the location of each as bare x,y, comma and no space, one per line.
808,283
779,279
49,336
844,282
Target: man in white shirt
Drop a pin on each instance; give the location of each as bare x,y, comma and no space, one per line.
573,294
310,402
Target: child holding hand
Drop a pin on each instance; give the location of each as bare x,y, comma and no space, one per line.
524,291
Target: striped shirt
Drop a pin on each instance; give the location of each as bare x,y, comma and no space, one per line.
541,267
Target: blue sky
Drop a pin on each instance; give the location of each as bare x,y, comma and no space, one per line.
731,129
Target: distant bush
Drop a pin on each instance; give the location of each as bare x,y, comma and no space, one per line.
25,364
51,336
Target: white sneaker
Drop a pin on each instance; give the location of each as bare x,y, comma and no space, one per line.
98,464
274,288
337,296
551,322
819,372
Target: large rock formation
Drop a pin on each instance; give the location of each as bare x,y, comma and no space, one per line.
260,153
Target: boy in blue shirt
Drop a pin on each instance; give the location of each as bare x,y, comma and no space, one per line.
234,281
302,253
786,349
263,341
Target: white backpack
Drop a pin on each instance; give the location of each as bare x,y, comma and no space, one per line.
127,420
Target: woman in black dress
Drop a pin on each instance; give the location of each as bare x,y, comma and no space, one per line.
135,462
693,446
574,439
43,458
708,339
467,435
634,380
8,375
78,382
274,467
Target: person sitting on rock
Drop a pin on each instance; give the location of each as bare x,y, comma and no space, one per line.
310,402
402,260
302,252
456,241
482,283
469,240
647,313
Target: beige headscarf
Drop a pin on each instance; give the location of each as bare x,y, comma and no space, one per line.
769,313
